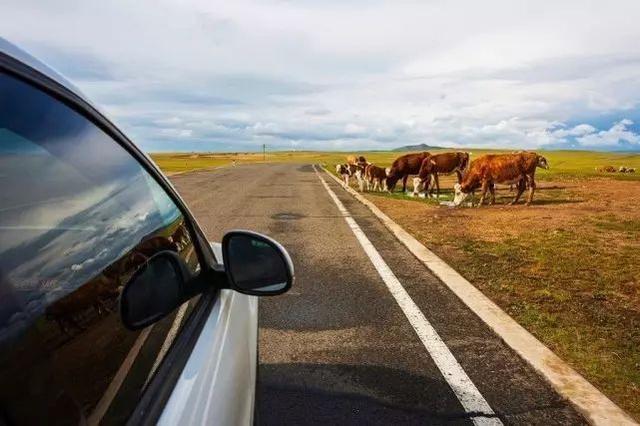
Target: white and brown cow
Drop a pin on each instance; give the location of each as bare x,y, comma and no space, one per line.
488,170
375,177
345,171
432,166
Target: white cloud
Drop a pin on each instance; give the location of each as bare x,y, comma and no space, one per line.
618,134
232,75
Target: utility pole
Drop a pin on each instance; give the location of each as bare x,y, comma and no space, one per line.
264,152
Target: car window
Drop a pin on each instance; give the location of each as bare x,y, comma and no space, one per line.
78,215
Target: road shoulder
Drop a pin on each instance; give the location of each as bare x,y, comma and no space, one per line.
587,399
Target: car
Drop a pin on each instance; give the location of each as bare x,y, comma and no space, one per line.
114,307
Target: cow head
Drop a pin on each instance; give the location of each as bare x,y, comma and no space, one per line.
338,168
542,162
429,165
460,196
417,186
392,177
464,163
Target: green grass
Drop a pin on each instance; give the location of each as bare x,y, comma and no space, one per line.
575,295
564,164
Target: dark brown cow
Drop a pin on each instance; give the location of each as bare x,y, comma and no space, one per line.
488,170
402,167
445,163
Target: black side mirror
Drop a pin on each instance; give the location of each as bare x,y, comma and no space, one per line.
154,290
256,264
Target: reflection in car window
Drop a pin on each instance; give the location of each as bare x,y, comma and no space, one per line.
78,215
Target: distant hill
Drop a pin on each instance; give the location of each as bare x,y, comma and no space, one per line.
420,147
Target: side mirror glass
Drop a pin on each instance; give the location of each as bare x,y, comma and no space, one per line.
256,264
154,290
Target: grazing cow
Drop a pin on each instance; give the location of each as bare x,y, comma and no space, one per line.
446,163
402,167
606,169
488,170
624,169
376,177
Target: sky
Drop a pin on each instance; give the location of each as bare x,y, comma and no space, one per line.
348,75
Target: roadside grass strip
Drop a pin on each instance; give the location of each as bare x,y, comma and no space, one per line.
586,398
470,398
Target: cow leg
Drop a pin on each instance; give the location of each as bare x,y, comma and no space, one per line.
492,190
521,187
404,183
485,187
437,182
532,188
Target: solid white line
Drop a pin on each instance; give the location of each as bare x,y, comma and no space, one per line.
586,398
472,401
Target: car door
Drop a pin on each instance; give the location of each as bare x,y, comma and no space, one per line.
80,211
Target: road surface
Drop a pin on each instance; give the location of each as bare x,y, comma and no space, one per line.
340,348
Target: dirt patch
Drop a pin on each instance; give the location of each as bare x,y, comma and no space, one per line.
567,268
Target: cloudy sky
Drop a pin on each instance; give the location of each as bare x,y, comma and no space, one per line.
232,75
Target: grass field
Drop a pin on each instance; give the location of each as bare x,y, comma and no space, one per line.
567,268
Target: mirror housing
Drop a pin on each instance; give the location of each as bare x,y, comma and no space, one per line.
256,264
154,290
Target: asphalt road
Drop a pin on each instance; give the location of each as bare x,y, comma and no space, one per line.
337,349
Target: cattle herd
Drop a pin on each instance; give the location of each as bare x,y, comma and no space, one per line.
516,169
612,169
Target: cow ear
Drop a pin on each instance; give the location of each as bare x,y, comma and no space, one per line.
433,162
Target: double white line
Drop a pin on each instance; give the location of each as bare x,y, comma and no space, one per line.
471,399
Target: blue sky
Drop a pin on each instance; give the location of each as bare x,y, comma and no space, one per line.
231,76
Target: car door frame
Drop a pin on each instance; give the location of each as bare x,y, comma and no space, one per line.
158,391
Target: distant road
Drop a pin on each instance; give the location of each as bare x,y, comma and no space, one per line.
340,348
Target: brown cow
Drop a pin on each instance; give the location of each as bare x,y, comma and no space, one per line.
376,176
402,167
445,163
606,169
488,170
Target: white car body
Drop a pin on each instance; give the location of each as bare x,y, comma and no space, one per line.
217,384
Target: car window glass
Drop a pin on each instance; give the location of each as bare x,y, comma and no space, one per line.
78,215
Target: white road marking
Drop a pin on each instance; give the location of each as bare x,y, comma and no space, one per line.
471,399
